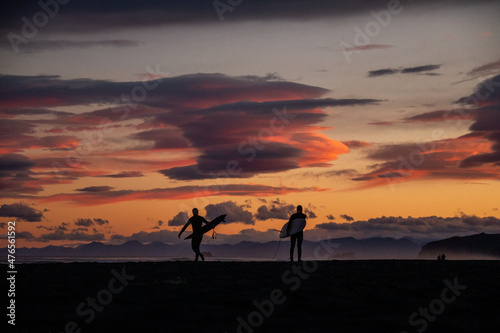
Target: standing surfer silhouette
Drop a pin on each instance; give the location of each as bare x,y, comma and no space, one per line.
298,237
196,222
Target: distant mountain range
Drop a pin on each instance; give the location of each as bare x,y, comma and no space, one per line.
480,246
348,248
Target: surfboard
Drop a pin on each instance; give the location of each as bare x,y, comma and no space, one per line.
210,225
297,226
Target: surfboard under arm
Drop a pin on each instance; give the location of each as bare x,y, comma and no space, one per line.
298,225
210,225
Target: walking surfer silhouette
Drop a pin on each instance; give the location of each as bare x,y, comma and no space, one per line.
196,222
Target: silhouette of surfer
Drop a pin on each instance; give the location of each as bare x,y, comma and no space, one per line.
298,237
196,222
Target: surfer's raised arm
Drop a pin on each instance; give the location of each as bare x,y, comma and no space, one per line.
184,227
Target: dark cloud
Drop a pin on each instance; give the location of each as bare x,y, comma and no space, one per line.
43,90
251,147
347,217
176,93
178,220
330,217
61,227
100,221
393,174
81,222
295,106
190,172
441,115
11,164
408,70
84,222
97,16
363,178
25,235
235,213
14,128
487,121
485,158
330,173
95,189
310,213
167,138
217,162
353,144
383,72
277,209
482,71
49,45
16,112
21,211
485,93
417,227
420,69
125,174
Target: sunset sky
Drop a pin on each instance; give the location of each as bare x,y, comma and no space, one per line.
381,118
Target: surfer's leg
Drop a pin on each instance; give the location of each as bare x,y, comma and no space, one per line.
300,238
293,238
195,245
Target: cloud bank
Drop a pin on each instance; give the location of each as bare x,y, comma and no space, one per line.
423,228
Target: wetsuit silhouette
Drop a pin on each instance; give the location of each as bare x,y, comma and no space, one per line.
196,222
298,237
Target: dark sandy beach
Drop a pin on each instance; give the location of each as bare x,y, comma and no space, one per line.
335,296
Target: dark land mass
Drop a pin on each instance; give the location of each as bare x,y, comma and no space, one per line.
480,246
324,296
